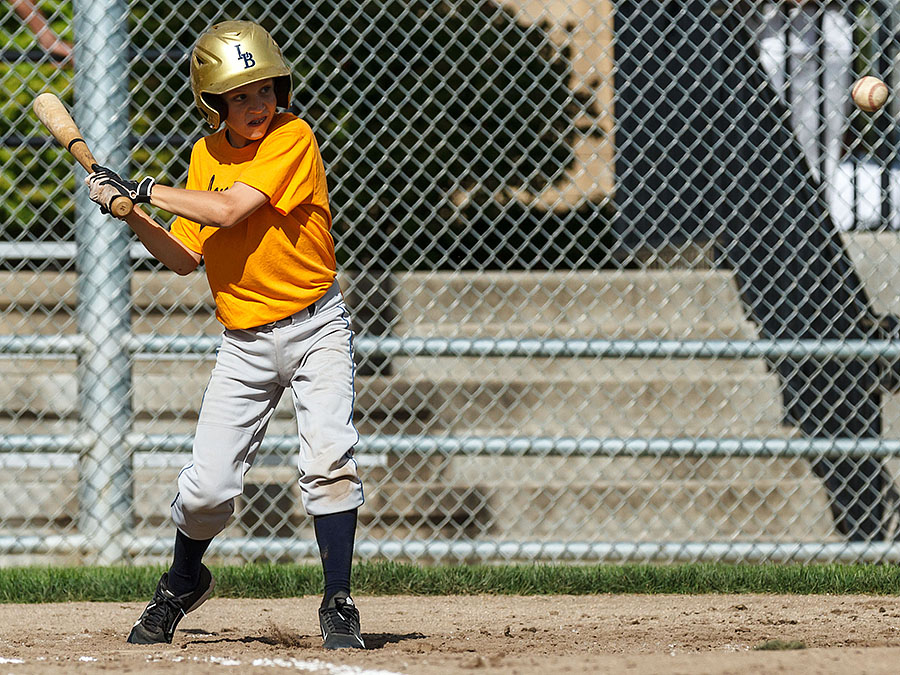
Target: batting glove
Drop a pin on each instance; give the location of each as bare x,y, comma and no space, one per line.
101,194
106,184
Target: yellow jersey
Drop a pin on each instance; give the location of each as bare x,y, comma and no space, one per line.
281,258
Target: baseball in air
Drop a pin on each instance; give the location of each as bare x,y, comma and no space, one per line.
869,93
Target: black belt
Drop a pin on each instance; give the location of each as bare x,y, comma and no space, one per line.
286,321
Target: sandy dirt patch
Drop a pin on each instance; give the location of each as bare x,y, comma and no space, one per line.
482,634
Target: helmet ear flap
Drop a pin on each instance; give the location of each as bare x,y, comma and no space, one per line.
282,92
217,103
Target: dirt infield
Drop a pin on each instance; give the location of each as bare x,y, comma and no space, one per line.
485,634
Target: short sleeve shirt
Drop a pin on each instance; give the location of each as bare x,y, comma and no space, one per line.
281,258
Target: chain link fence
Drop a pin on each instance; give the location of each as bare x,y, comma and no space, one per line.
623,276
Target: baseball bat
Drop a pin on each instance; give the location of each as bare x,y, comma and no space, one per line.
53,115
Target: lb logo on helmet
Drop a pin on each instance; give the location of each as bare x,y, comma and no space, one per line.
229,55
246,57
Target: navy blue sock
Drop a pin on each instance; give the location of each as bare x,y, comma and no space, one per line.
335,533
184,575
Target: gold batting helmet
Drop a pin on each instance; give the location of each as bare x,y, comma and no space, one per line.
229,55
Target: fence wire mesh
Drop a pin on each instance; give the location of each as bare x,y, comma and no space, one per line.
622,273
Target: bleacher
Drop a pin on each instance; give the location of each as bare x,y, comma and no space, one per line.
606,498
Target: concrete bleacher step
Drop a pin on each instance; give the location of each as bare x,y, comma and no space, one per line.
601,510
269,506
510,304
423,503
675,302
727,406
590,397
601,498
162,302
628,304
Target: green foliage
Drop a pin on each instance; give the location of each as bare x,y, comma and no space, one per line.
128,584
780,645
35,183
15,35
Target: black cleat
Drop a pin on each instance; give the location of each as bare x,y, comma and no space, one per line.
339,620
161,616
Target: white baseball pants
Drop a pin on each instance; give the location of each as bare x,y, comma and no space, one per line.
310,353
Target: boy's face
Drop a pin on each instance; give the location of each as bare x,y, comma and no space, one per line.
250,112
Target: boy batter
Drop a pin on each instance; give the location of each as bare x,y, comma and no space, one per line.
255,209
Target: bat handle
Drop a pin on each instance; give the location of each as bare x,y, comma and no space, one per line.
121,206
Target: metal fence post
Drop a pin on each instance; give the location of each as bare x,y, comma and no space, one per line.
101,108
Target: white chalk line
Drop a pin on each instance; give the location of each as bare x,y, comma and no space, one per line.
308,666
304,665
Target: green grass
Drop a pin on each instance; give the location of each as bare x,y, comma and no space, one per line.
780,645
122,584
